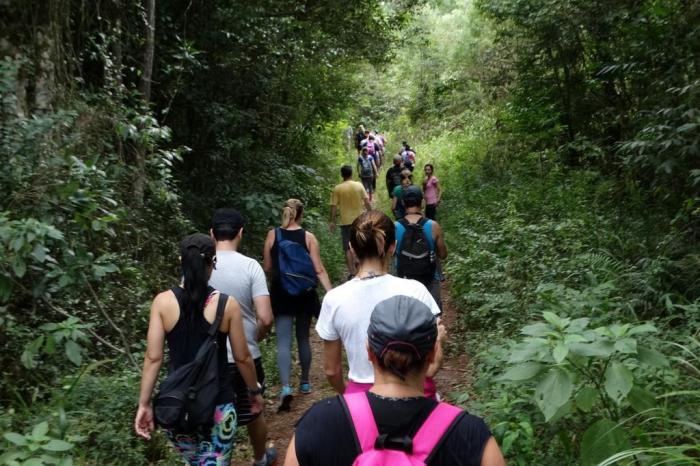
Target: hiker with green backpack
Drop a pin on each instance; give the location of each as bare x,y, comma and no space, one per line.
194,404
293,263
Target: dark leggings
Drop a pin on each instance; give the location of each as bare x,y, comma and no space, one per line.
283,328
431,211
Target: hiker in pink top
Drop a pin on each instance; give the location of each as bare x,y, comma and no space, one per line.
431,191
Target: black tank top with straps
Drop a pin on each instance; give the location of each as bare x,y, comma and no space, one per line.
185,338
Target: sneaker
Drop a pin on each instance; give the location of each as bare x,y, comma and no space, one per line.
270,458
305,388
285,399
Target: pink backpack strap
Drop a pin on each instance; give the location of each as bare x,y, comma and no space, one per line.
362,419
433,430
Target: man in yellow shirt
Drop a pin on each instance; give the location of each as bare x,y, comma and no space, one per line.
352,199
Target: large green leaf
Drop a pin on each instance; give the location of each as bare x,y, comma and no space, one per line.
600,348
74,352
602,439
651,357
559,353
40,430
57,445
15,438
524,371
585,398
618,381
553,391
640,399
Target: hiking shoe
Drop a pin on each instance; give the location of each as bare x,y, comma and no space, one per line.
305,388
285,399
270,458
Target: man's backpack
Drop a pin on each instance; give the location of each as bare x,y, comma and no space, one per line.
416,254
381,450
366,167
297,273
187,397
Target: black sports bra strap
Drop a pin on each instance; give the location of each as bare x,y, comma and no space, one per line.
221,306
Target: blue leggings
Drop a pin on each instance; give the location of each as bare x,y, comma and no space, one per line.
283,328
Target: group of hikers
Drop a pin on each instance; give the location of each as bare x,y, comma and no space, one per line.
384,317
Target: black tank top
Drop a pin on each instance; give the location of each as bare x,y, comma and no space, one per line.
185,338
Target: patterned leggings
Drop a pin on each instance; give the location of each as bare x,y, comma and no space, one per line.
211,448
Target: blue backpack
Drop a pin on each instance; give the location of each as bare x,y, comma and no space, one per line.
297,273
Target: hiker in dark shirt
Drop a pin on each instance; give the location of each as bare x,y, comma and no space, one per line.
402,338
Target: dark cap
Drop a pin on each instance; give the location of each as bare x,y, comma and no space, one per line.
229,217
201,242
404,324
413,193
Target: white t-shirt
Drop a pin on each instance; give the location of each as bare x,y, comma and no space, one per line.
242,278
346,310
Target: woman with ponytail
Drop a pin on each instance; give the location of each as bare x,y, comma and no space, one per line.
288,308
182,317
346,310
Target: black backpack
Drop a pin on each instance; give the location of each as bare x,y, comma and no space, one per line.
416,259
187,397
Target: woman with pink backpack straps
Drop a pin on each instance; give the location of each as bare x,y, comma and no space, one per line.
394,424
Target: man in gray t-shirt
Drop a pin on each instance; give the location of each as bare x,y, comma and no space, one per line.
243,278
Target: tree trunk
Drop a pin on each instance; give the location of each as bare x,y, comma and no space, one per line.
145,89
146,77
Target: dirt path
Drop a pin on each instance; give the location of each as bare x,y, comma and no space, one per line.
452,377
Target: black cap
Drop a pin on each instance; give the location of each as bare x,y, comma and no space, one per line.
413,193
201,242
404,324
228,217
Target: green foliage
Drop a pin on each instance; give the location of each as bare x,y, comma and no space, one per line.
36,448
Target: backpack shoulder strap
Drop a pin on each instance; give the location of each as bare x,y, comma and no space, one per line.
278,235
360,412
221,306
434,429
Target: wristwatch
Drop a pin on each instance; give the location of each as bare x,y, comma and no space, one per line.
256,391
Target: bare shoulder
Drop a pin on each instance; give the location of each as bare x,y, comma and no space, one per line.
164,300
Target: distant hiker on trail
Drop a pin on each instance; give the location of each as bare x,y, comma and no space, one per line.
397,205
242,278
359,137
419,245
409,157
189,316
432,190
379,150
351,199
393,174
367,170
346,309
393,424
293,263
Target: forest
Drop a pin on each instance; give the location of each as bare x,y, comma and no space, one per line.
565,133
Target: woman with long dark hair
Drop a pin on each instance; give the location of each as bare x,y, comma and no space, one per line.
293,310
182,316
431,191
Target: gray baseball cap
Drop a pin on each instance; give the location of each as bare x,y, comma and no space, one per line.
402,323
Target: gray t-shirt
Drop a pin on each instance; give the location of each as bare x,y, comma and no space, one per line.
243,278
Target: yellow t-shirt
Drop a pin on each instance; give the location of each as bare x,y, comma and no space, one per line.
349,197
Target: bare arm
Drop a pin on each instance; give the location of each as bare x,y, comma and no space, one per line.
333,364
435,366
440,245
267,252
315,254
291,458
241,353
492,455
393,203
331,223
143,424
263,309
365,199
